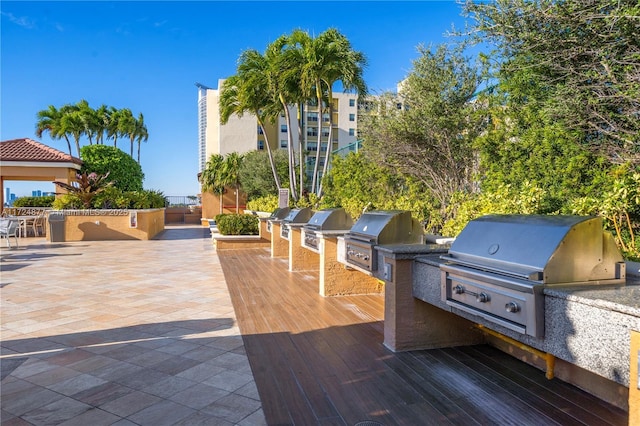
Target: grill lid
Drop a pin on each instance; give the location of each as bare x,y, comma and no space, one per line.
280,213
330,219
387,227
550,249
298,215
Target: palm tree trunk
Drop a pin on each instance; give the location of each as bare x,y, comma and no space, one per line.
327,156
315,166
300,143
68,144
292,171
139,142
276,179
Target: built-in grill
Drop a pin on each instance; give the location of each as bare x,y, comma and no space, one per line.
379,228
333,221
499,265
294,216
278,214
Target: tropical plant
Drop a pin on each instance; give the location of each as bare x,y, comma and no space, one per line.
231,174
49,120
212,177
86,187
248,92
80,120
325,60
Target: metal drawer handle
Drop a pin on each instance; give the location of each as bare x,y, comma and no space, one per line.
480,297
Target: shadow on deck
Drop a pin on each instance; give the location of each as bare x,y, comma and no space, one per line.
321,360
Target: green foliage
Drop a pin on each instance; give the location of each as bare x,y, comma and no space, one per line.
427,130
68,201
256,177
582,55
618,202
46,201
504,199
114,198
357,184
268,203
237,224
125,173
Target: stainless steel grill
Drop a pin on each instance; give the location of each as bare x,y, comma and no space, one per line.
294,216
379,228
278,214
499,265
333,221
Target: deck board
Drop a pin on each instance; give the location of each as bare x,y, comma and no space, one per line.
320,360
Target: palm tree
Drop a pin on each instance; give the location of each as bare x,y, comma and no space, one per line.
283,81
102,115
231,174
140,132
113,125
90,120
247,92
49,120
71,124
347,67
211,178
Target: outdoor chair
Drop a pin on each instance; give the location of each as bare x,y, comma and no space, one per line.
8,229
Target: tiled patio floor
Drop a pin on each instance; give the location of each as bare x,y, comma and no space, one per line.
123,333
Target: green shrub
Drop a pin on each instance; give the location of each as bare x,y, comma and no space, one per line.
237,224
113,198
267,203
125,173
46,201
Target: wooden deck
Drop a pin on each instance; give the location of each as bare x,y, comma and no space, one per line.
321,361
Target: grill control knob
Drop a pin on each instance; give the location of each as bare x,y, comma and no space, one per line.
482,298
458,289
512,307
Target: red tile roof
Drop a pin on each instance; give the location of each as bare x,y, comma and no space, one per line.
29,150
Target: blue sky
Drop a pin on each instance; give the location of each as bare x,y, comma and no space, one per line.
147,55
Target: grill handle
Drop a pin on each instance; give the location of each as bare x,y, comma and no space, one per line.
481,297
526,274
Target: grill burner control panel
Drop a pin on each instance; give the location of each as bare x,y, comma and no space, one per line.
515,310
361,255
310,240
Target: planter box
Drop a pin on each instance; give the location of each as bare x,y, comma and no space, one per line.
112,224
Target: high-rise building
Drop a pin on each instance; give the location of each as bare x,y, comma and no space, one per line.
242,134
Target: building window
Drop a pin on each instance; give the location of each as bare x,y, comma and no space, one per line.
352,132
260,145
325,117
312,116
260,132
283,143
352,102
312,146
325,132
312,131
283,128
352,117
323,147
399,105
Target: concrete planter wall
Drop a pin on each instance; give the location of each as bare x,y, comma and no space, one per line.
115,224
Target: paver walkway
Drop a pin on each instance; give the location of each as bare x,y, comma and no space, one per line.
122,333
